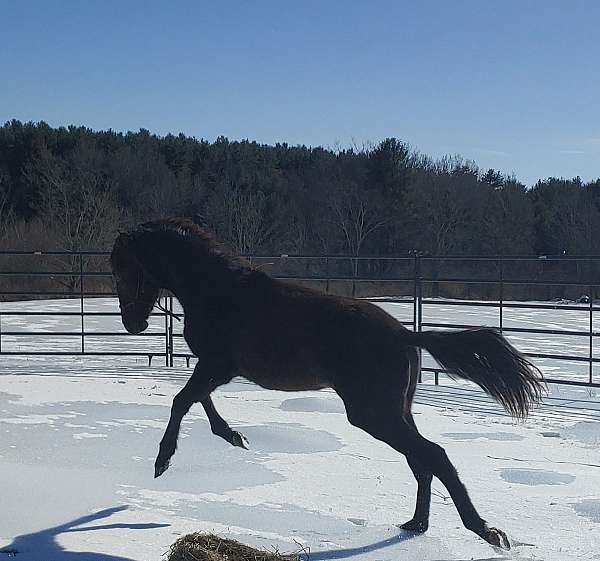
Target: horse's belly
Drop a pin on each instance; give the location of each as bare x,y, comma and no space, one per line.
285,378
287,385
286,359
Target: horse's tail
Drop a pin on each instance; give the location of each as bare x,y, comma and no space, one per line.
485,357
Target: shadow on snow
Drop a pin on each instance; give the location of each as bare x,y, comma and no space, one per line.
352,551
43,544
348,553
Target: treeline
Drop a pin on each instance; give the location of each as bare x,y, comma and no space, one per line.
74,188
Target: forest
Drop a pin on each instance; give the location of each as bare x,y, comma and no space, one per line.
73,188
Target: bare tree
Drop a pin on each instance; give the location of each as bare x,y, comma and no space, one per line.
76,202
5,210
356,215
240,215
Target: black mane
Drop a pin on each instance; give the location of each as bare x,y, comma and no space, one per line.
196,237
183,227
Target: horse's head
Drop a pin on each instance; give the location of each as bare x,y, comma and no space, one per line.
137,290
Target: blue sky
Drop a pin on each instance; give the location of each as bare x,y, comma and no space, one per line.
514,85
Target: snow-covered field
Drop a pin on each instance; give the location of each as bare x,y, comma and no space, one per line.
78,438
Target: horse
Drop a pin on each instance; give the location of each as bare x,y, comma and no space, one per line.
239,321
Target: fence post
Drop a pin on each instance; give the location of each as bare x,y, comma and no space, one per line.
81,293
171,331
327,274
166,314
501,293
591,357
417,307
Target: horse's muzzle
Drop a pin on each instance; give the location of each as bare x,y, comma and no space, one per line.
135,327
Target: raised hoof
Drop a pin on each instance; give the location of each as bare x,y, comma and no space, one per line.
238,439
160,467
416,526
496,537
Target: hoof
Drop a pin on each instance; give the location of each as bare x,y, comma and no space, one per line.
416,526
238,439
160,467
496,537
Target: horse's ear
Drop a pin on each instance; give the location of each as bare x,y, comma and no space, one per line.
120,238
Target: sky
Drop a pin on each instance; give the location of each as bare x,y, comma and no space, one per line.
513,85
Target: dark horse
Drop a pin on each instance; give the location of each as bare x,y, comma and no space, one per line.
239,321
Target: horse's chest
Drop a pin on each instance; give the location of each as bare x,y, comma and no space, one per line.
202,340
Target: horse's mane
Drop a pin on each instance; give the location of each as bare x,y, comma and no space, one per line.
184,227
197,237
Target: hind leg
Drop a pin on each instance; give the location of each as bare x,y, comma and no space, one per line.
381,419
420,520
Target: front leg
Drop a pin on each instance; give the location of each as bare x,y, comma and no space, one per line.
220,427
207,376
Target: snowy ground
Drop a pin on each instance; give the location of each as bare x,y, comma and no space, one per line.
78,439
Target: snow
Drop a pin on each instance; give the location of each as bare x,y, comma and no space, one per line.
78,438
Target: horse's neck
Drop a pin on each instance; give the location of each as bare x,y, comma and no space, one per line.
197,282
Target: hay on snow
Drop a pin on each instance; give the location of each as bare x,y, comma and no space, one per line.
208,547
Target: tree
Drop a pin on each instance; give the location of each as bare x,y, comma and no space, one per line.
563,213
76,202
240,216
5,192
356,215
508,224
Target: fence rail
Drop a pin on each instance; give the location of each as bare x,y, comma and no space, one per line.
421,284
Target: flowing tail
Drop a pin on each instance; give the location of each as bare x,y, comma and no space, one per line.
485,357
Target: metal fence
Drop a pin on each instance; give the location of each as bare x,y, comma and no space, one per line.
423,290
